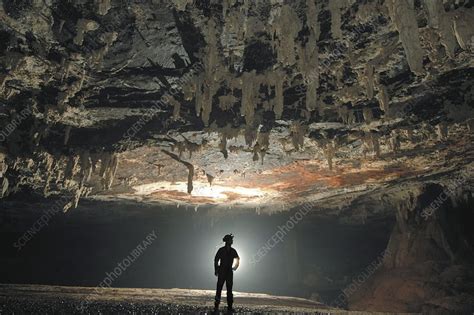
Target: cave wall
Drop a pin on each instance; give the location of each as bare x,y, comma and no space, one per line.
430,258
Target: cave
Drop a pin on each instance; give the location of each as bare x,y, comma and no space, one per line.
314,155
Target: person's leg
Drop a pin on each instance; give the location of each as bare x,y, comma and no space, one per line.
229,282
220,284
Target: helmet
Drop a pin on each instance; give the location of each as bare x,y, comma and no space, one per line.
228,238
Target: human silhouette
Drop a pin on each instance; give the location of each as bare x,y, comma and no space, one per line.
224,270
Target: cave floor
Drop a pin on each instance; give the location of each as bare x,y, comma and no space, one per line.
42,299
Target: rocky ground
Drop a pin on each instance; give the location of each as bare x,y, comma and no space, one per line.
35,299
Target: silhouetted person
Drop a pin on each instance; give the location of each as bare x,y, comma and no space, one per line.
224,270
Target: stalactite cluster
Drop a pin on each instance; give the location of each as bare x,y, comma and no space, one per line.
286,26
403,16
267,67
76,175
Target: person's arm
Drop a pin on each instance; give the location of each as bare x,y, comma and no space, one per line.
216,262
236,261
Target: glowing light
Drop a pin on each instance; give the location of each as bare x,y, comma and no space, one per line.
217,193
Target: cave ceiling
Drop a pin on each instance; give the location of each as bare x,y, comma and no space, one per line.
256,104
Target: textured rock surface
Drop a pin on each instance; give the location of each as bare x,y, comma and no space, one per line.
107,79
429,268
36,299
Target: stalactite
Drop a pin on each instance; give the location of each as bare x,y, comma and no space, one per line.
250,135
48,166
3,164
235,31
207,98
223,146
261,146
442,131
470,125
211,81
188,165
5,185
286,27
68,206
395,141
180,146
312,14
311,97
308,60
264,139
112,171
463,29
410,135
103,6
402,13
71,167
366,145
371,143
308,64
256,150
210,179
189,89
199,95
66,68
376,144
46,189
77,196
249,96
86,166
67,133
176,108
441,21
83,26
329,151
61,25
369,80
189,146
297,133
108,169
335,7
383,97
226,134
279,98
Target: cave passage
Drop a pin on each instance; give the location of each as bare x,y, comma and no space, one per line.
315,258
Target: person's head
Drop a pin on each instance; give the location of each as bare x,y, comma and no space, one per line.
228,239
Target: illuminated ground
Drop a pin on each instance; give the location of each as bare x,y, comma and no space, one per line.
67,300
